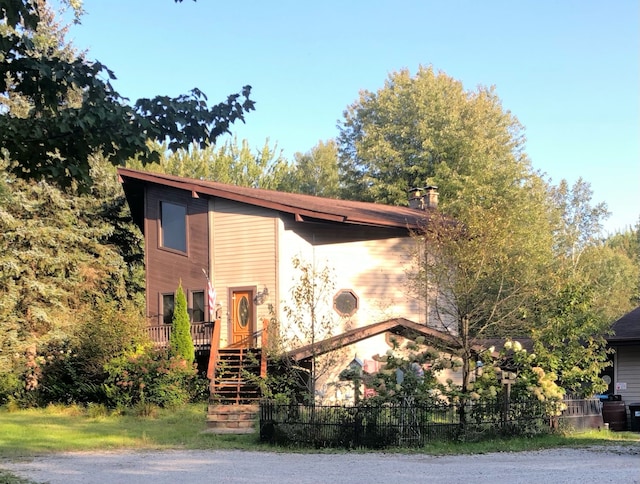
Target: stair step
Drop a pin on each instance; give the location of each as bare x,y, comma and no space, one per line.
232,419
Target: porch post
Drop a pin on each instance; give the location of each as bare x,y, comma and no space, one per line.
265,345
213,353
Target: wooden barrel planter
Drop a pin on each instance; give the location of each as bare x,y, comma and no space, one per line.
615,414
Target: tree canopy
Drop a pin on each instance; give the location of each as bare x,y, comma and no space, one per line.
523,257
66,259
414,127
74,112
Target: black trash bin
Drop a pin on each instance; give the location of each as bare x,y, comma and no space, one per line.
634,414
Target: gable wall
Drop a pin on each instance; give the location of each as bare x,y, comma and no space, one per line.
164,268
374,269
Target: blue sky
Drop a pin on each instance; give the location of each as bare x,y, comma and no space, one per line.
569,70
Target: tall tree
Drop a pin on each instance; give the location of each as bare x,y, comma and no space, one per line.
232,163
521,253
53,139
57,264
398,137
316,171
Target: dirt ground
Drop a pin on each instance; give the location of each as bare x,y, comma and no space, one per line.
620,464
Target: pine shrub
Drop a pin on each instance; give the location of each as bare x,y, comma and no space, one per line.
180,340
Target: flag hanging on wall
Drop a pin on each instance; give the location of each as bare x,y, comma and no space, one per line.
211,295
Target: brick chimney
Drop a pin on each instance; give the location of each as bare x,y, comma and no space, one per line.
423,198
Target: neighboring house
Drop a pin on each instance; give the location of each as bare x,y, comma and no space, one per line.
246,239
625,373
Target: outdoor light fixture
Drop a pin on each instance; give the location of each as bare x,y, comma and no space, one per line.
261,296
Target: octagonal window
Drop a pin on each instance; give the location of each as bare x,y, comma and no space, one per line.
345,302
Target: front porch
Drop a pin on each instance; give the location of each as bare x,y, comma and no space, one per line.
200,335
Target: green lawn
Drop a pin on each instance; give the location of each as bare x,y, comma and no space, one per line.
59,429
25,433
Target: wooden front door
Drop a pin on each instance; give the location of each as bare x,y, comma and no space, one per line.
242,318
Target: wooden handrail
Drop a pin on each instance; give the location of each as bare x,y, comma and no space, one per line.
250,341
265,342
213,353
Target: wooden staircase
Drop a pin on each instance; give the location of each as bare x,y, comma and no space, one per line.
234,373
235,376
233,403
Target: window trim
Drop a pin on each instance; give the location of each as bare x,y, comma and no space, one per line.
340,293
192,305
161,314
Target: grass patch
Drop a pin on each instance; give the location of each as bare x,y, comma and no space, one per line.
550,441
32,432
7,477
53,429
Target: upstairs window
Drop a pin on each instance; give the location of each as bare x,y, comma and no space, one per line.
173,226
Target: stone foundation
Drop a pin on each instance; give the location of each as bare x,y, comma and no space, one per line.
232,419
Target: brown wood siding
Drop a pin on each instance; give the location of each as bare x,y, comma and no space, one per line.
166,268
244,238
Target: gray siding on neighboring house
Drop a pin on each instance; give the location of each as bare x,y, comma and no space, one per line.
244,255
627,370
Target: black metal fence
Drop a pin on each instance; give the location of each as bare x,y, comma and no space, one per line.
408,425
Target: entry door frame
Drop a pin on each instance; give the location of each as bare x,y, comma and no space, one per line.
253,313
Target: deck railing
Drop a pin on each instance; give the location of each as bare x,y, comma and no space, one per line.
200,334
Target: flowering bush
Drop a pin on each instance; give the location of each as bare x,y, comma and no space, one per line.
531,380
407,371
153,377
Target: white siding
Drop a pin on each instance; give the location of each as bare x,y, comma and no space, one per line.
376,270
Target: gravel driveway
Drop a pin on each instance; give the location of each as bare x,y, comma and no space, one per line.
600,465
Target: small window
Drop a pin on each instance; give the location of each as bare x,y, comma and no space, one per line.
345,302
197,311
173,226
168,304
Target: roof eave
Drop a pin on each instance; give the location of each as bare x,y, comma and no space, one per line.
300,214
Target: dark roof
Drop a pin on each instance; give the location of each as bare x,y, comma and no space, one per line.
627,328
303,207
399,326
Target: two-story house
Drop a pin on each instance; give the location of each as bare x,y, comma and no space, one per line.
245,239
